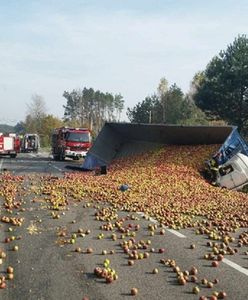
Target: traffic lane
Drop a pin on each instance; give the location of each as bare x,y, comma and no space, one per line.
141,271
42,269
27,163
42,264
204,244
79,278
20,167
240,257
185,257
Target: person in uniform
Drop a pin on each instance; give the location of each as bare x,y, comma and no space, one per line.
214,169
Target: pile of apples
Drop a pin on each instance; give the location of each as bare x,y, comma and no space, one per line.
109,274
10,190
165,184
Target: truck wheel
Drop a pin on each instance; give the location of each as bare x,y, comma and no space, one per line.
13,155
61,157
55,157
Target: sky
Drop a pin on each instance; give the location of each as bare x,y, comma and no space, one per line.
117,46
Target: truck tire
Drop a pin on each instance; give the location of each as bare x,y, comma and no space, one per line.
55,157
13,155
62,157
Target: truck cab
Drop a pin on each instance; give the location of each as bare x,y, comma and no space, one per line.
70,142
233,174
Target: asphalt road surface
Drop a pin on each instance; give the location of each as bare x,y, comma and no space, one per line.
47,267
41,163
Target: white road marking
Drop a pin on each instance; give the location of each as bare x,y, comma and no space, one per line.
152,220
225,260
235,266
178,234
1,163
57,168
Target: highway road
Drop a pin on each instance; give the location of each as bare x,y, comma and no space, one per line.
52,263
26,163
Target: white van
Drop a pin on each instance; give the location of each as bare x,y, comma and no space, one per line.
233,174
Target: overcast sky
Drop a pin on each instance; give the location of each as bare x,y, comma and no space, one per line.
116,46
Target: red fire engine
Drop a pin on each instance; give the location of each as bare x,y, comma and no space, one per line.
9,144
70,142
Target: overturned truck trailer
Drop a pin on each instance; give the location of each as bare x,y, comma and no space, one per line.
118,140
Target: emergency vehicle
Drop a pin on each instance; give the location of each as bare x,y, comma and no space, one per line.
9,144
70,142
30,143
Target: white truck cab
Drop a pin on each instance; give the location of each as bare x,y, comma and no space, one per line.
233,174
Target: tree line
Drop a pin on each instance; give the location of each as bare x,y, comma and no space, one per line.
217,95
84,108
92,108
169,106
221,90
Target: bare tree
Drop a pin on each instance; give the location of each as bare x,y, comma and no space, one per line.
36,112
162,93
37,108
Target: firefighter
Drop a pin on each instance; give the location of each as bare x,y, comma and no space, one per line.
214,169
